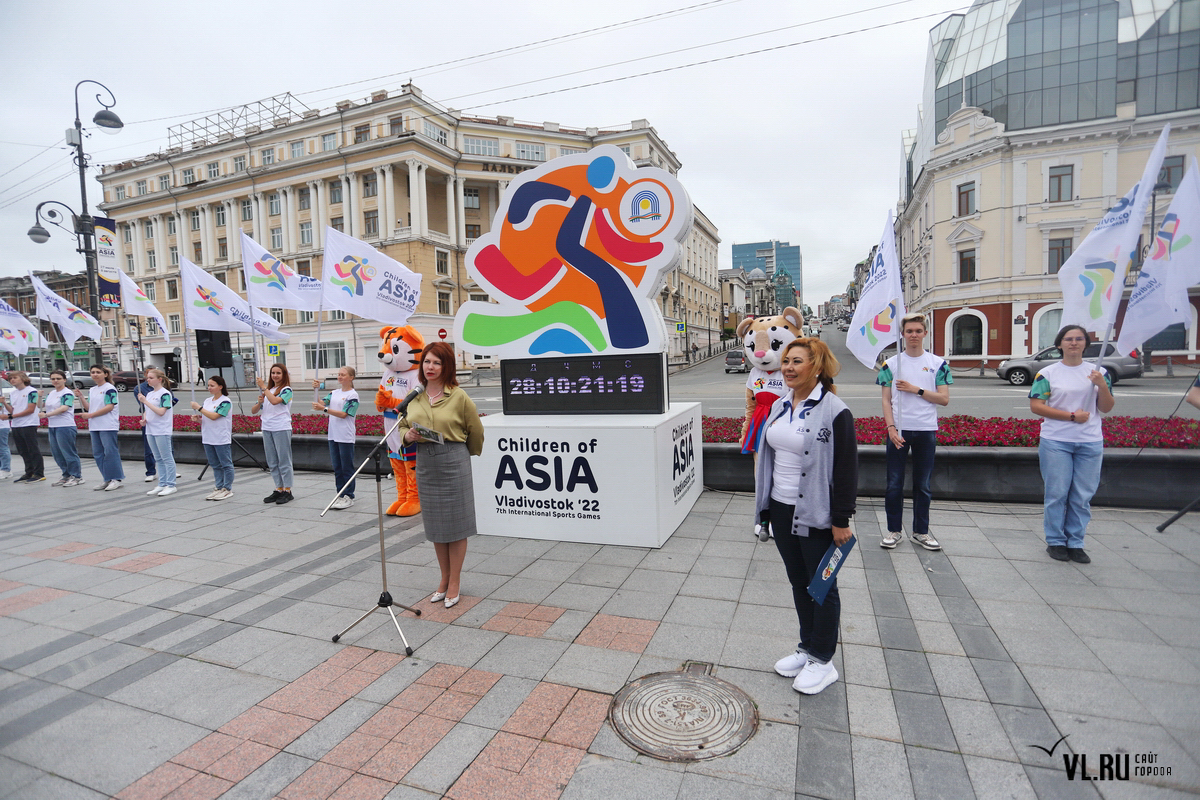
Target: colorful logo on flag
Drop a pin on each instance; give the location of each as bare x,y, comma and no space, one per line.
7,334
881,323
353,274
75,315
1097,282
272,272
208,300
1164,240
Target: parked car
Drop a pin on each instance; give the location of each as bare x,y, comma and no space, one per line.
125,380
735,361
82,379
1020,371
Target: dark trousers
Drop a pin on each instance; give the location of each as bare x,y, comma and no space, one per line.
149,456
25,440
801,556
342,456
922,444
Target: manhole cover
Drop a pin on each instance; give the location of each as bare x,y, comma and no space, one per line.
677,716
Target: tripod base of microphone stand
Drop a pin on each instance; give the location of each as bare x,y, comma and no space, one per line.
385,601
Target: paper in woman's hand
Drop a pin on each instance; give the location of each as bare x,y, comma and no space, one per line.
427,434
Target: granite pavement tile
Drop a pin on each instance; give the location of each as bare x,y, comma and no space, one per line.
881,769
596,777
998,780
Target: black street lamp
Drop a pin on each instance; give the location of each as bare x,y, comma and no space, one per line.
84,225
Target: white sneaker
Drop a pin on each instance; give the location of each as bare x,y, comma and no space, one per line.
927,541
342,502
5,475
73,482
224,494
789,666
213,494
892,539
150,478
814,677
113,486
103,485
153,492
60,482
166,490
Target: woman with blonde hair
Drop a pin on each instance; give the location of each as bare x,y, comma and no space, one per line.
158,420
807,487
341,405
275,404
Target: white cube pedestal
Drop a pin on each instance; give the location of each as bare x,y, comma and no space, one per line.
627,479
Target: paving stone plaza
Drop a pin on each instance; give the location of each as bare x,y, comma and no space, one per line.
177,648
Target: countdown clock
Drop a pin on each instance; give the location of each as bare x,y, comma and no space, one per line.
615,384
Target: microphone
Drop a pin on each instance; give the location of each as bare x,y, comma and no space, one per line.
408,399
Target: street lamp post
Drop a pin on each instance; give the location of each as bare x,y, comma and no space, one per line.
85,226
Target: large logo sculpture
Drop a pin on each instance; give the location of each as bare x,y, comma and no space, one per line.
577,253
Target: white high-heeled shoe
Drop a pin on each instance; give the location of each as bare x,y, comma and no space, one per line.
451,602
437,596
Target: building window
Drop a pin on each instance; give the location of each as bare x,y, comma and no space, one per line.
267,156
220,215
306,233
189,176
129,233
968,336
1172,171
239,163
337,315
338,224
304,268
304,316
396,126
198,253
305,199
966,199
129,262
477,297
149,288
370,223
444,303
148,229
174,256
329,141
276,238
335,192
120,192
247,210
151,327
173,321
531,151
214,170
220,276
443,262
222,249
475,146
370,183
195,219
1062,183
966,266
627,150
332,355
362,133
297,149
273,204
172,289
472,232
164,182
141,187
470,198
241,274
170,225
439,135
276,314
1060,251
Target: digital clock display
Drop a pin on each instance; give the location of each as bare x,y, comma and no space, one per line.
619,384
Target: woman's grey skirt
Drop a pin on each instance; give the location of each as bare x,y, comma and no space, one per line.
447,494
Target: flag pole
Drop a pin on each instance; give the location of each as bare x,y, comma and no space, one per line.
320,314
186,372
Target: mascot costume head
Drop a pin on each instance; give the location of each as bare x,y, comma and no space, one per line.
763,339
400,356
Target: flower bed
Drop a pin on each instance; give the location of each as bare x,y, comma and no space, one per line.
958,430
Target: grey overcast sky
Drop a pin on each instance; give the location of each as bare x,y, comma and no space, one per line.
799,143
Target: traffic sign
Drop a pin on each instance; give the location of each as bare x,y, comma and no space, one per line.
442,334
272,349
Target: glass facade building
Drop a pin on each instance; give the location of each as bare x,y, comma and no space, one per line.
770,256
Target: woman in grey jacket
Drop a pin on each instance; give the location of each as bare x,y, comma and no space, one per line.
806,487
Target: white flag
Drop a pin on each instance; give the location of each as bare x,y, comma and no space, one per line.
137,304
270,283
1093,278
876,322
361,280
74,323
17,334
1160,297
209,305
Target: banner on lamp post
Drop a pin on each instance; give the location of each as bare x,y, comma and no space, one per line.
107,272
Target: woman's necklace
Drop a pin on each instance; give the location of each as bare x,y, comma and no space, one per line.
436,395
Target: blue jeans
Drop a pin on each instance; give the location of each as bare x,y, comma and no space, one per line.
148,454
922,444
220,458
801,556
1071,473
5,455
342,456
62,447
164,457
278,448
107,455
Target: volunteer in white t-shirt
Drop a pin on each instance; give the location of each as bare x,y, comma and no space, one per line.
216,432
22,414
59,414
341,406
914,383
1070,395
101,411
275,403
5,453
158,420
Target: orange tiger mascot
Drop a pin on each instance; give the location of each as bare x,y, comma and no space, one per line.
400,356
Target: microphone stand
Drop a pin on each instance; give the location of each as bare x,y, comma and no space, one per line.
385,597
